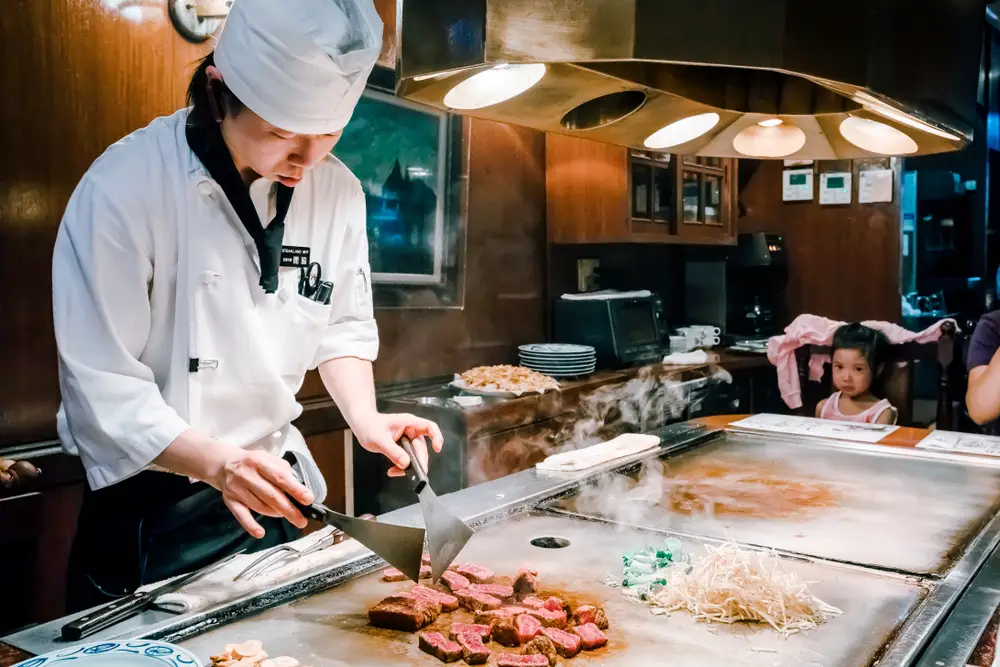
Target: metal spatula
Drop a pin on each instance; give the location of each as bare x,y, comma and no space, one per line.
400,546
446,533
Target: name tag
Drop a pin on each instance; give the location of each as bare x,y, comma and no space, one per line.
294,256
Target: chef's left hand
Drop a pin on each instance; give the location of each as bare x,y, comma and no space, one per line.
380,432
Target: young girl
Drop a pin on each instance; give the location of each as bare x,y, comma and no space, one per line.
857,352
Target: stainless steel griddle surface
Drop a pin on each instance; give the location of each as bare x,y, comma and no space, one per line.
870,506
331,628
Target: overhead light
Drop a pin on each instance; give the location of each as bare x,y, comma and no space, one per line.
771,122
881,108
493,86
770,141
876,137
682,131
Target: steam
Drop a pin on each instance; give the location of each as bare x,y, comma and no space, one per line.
644,403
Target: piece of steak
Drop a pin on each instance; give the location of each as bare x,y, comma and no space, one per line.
591,636
440,646
543,646
591,614
392,574
501,591
554,604
425,558
515,660
404,612
474,651
448,603
454,581
532,602
567,644
549,617
425,572
516,631
526,582
477,574
491,616
482,629
477,601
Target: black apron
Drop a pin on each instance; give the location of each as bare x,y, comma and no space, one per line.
156,525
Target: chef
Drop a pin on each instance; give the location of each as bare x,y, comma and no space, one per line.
203,265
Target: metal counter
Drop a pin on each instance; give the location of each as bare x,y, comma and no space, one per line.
896,585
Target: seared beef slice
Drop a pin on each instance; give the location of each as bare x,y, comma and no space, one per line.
591,636
590,614
526,583
543,646
477,601
501,591
454,581
473,650
477,574
404,612
448,603
515,660
550,618
440,646
482,629
567,644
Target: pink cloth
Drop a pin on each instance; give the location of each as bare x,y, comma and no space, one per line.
816,330
831,410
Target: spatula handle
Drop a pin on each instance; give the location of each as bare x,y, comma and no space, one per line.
418,469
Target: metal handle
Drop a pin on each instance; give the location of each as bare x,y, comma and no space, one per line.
418,470
105,616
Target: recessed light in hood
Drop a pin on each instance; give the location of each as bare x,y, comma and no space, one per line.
871,135
493,86
622,71
682,131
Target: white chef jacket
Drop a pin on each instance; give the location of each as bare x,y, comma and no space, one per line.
154,275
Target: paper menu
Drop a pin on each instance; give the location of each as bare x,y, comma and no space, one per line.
816,428
963,443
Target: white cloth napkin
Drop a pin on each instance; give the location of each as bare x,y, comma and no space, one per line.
588,457
686,358
219,587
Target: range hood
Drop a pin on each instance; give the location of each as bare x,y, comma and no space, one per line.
792,79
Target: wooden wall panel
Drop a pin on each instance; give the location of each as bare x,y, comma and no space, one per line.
843,260
77,76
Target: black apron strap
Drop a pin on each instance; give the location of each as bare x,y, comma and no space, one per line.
206,141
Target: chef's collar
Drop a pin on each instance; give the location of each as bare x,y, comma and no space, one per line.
206,141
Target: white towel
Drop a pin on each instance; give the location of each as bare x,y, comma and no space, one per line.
588,457
219,587
686,358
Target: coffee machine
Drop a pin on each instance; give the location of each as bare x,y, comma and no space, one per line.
756,276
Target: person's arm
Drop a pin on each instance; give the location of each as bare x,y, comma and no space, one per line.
119,420
887,416
819,407
350,345
982,398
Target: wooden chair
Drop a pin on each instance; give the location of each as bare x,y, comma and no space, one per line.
896,381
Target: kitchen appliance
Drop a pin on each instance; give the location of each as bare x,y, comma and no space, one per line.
623,327
755,286
732,78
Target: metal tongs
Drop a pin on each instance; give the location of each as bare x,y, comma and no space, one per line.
446,533
279,555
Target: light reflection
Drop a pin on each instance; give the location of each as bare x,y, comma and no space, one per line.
136,11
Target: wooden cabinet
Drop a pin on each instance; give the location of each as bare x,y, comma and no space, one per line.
601,193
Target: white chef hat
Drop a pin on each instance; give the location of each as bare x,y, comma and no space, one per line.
301,65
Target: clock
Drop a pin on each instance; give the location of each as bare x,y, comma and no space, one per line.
197,20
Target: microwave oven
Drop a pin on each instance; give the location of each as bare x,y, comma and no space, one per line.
624,329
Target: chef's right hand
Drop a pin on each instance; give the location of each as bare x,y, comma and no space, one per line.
256,481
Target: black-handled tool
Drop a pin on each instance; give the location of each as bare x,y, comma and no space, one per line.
131,605
446,533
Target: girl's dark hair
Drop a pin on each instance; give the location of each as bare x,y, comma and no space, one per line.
198,95
872,344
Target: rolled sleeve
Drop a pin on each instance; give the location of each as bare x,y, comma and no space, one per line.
352,331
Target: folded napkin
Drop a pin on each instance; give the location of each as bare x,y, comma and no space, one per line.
218,587
588,457
686,358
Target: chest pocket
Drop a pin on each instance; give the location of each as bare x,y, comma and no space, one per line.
298,324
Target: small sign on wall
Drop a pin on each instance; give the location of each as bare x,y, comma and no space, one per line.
797,185
835,187
875,186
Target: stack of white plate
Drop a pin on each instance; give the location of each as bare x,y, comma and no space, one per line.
558,360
